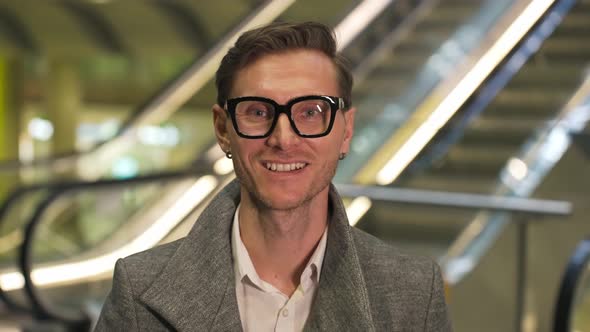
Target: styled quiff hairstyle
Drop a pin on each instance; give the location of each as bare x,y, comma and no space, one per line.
276,38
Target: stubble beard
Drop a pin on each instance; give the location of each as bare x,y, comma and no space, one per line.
262,202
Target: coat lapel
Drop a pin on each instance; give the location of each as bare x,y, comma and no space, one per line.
341,303
197,290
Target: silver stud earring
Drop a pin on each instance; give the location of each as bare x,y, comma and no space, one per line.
342,156
228,154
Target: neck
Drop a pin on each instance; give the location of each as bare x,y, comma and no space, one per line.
281,242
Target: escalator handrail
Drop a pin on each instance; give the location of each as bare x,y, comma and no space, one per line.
4,208
458,200
577,264
150,106
57,188
38,309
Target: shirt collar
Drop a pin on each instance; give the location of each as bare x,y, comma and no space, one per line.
244,268
242,262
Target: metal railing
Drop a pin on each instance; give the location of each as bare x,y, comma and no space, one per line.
577,266
54,190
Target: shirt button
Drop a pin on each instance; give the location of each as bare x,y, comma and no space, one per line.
285,312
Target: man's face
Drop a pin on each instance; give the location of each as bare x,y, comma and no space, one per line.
282,77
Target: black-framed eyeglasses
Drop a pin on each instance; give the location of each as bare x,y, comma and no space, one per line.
310,116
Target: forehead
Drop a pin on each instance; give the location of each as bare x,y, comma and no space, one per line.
286,75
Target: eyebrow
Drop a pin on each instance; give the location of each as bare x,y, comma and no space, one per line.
288,101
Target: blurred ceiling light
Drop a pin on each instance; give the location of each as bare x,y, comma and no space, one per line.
108,129
11,281
357,209
556,144
26,147
125,168
455,268
168,135
517,168
90,133
357,20
471,81
41,129
91,268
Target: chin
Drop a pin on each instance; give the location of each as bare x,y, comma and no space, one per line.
281,202
285,198
281,195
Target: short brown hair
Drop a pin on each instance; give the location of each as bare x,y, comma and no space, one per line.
280,37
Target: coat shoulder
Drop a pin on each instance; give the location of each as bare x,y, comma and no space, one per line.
376,253
404,288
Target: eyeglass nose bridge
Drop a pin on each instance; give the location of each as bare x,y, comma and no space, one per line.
283,109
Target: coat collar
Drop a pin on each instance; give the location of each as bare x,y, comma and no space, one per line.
342,302
197,288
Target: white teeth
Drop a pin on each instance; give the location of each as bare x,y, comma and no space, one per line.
285,167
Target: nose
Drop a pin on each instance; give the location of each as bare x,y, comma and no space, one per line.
283,136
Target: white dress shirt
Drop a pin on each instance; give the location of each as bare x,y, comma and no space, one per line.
262,306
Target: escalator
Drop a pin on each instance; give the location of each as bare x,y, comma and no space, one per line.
416,56
407,65
470,153
531,99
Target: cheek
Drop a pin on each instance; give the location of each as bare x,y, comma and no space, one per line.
328,149
244,150
335,140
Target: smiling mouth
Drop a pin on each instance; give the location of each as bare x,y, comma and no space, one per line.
275,167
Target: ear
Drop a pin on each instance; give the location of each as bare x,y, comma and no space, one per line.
220,122
348,129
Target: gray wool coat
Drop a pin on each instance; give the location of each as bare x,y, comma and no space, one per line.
188,285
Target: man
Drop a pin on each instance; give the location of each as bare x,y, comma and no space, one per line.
274,250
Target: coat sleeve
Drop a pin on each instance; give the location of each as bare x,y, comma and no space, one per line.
118,312
437,317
